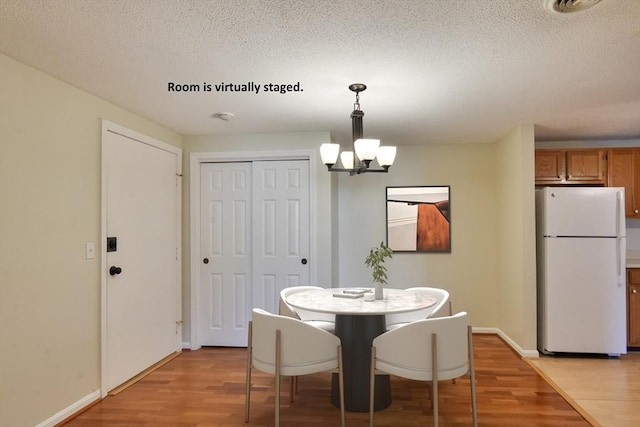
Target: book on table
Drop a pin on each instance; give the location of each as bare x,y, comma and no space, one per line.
346,295
357,291
351,292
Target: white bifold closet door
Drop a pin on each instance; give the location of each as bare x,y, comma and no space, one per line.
255,234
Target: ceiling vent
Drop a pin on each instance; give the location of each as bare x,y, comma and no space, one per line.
568,6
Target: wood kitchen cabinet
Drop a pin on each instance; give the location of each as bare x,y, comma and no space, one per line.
633,307
586,166
624,171
549,167
571,167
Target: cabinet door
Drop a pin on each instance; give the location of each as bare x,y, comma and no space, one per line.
624,171
633,307
635,191
549,166
586,166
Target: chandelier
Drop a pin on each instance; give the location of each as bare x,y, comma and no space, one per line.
363,151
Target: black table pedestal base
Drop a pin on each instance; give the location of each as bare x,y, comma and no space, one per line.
357,333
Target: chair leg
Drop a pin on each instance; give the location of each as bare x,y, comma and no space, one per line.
277,404
434,367
453,380
341,383
472,379
248,375
372,381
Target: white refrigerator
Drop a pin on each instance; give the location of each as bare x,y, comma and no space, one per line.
581,259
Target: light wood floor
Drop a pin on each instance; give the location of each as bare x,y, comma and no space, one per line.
206,388
606,391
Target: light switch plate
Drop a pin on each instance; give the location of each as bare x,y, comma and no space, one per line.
90,250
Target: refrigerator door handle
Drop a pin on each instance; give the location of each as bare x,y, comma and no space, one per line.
621,258
620,213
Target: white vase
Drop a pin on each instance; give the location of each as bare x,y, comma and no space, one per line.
378,290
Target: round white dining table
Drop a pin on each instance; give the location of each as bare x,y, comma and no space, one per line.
394,301
358,322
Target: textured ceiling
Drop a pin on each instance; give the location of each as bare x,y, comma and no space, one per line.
438,71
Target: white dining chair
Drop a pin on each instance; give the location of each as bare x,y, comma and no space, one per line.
396,320
325,321
283,346
319,320
426,350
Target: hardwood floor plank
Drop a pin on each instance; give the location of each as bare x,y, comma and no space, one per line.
606,391
206,388
143,374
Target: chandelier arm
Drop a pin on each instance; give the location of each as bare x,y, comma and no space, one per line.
383,170
358,170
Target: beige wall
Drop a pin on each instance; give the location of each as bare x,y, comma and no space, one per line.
490,272
516,236
470,272
49,207
322,201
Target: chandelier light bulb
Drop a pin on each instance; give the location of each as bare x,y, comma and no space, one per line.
366,149
386,155
329,153
347,159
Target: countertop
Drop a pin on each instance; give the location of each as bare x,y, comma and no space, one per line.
633,259
633,262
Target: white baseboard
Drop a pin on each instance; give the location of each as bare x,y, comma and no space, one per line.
496,331
69,411
514,345
187,345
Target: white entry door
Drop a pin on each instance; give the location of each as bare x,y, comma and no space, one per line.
255,235
142,304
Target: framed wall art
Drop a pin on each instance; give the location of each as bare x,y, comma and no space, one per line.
419,218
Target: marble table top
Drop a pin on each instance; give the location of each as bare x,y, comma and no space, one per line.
394,301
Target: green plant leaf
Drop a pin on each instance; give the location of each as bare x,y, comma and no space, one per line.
375,260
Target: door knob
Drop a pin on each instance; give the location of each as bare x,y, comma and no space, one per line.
206,260
115,270
304,261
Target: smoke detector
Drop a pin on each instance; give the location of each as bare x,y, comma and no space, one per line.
568,6
224,116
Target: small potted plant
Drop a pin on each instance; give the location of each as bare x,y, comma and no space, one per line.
375,260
